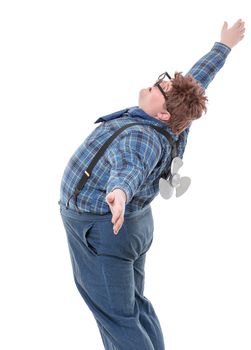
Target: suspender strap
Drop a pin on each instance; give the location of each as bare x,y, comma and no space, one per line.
99,154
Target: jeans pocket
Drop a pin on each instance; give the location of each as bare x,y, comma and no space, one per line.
90,237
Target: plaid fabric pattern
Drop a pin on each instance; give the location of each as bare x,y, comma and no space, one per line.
206,68
137,158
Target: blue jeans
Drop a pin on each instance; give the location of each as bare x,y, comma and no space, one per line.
108,271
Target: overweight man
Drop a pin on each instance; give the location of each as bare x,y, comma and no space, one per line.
106,191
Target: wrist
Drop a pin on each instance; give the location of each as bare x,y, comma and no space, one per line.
121,193
226,44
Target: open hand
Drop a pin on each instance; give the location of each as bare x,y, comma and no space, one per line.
231,36
116,201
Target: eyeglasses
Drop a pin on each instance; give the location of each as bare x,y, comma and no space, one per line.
160,79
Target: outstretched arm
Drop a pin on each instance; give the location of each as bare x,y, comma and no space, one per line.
206,68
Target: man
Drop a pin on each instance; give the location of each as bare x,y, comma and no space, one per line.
108,267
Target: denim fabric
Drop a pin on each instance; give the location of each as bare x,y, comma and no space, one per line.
108,270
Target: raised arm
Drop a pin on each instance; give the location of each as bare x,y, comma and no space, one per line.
206,68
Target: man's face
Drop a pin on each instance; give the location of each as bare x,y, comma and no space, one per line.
151,99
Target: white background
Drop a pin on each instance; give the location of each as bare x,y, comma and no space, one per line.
64,64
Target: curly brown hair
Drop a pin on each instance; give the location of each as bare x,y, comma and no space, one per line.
185,101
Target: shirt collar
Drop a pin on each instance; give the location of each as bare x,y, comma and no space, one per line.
137,112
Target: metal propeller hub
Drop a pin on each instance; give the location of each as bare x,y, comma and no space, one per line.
175,180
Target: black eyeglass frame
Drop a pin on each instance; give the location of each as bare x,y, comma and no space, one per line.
160,79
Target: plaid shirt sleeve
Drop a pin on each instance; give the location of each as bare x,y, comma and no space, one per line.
206,68
132,159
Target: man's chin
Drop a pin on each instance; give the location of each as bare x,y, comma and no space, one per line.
141,96
140,105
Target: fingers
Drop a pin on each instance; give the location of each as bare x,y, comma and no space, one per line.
117,214
239,24
241,29
231,36
117,220
118,226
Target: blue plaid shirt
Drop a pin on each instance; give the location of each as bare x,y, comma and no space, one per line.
137,157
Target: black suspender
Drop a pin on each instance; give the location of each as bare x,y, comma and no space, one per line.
99,154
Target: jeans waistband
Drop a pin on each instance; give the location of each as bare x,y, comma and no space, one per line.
93,216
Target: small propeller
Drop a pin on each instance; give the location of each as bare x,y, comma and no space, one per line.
174,181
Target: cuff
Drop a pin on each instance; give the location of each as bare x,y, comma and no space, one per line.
221,48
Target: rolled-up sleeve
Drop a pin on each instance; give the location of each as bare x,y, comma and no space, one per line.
132,158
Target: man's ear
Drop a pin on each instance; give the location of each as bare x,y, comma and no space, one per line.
164,116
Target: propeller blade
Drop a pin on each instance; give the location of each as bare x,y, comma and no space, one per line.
184,184
165,188
176,165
